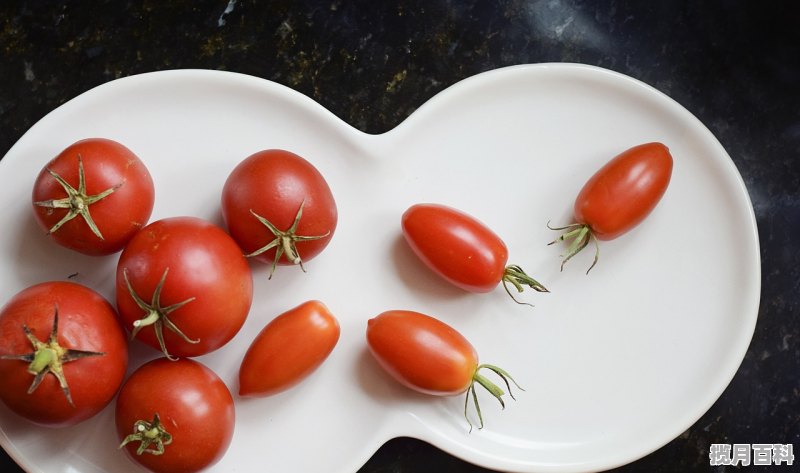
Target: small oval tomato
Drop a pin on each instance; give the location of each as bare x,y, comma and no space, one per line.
183,286
279,208
288,349
618,197
429,356
175,416
461,249
63,354
93,196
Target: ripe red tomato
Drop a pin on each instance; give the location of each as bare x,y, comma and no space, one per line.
619,196
63,354
279,208
461,249
183,286
93,196
288,349
429,356
175,416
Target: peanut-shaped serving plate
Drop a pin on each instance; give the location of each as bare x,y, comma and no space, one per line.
614,364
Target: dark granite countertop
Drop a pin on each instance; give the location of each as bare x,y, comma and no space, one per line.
735,65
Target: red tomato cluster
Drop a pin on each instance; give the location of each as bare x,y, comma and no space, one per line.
184,287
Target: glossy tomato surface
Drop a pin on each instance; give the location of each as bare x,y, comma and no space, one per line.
422,352
274,184
195,416
205,286
288,349
90,345
624,191
107,167
455,246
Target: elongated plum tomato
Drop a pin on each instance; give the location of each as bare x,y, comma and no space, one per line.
618,197
93,197
461,249
175,416
183,286
288,349
279,208
431,357
63,353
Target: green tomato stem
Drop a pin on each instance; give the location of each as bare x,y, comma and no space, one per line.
491,387
42,359
580,234
514,275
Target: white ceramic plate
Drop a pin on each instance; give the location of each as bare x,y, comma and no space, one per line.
615,364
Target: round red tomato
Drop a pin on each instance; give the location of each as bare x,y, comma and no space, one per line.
183,286
461,249
429,356
288,349
93,196
63,354
619,196
279,208
175,416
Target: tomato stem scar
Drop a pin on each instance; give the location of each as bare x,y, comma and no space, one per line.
156,315
49,357
285,242
149,433
77,200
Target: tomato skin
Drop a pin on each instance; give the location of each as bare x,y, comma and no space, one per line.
194,406
455,246
625,190
118,216
203,263
422,352
86,321
274,184
288,349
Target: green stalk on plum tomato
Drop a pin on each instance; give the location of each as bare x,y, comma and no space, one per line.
617,198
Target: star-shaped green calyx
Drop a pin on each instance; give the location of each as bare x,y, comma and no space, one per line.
77,200
149,433
285,242
49,357
155,314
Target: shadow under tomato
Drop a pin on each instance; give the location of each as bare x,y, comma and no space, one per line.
36,258
376,382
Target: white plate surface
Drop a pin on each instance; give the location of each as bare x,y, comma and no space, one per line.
614,364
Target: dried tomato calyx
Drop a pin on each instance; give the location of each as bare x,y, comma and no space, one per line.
149,433
77,200
514,275
580,234
49,357
285,242
493,389
155,314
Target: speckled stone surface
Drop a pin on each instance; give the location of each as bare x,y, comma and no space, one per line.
735,65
